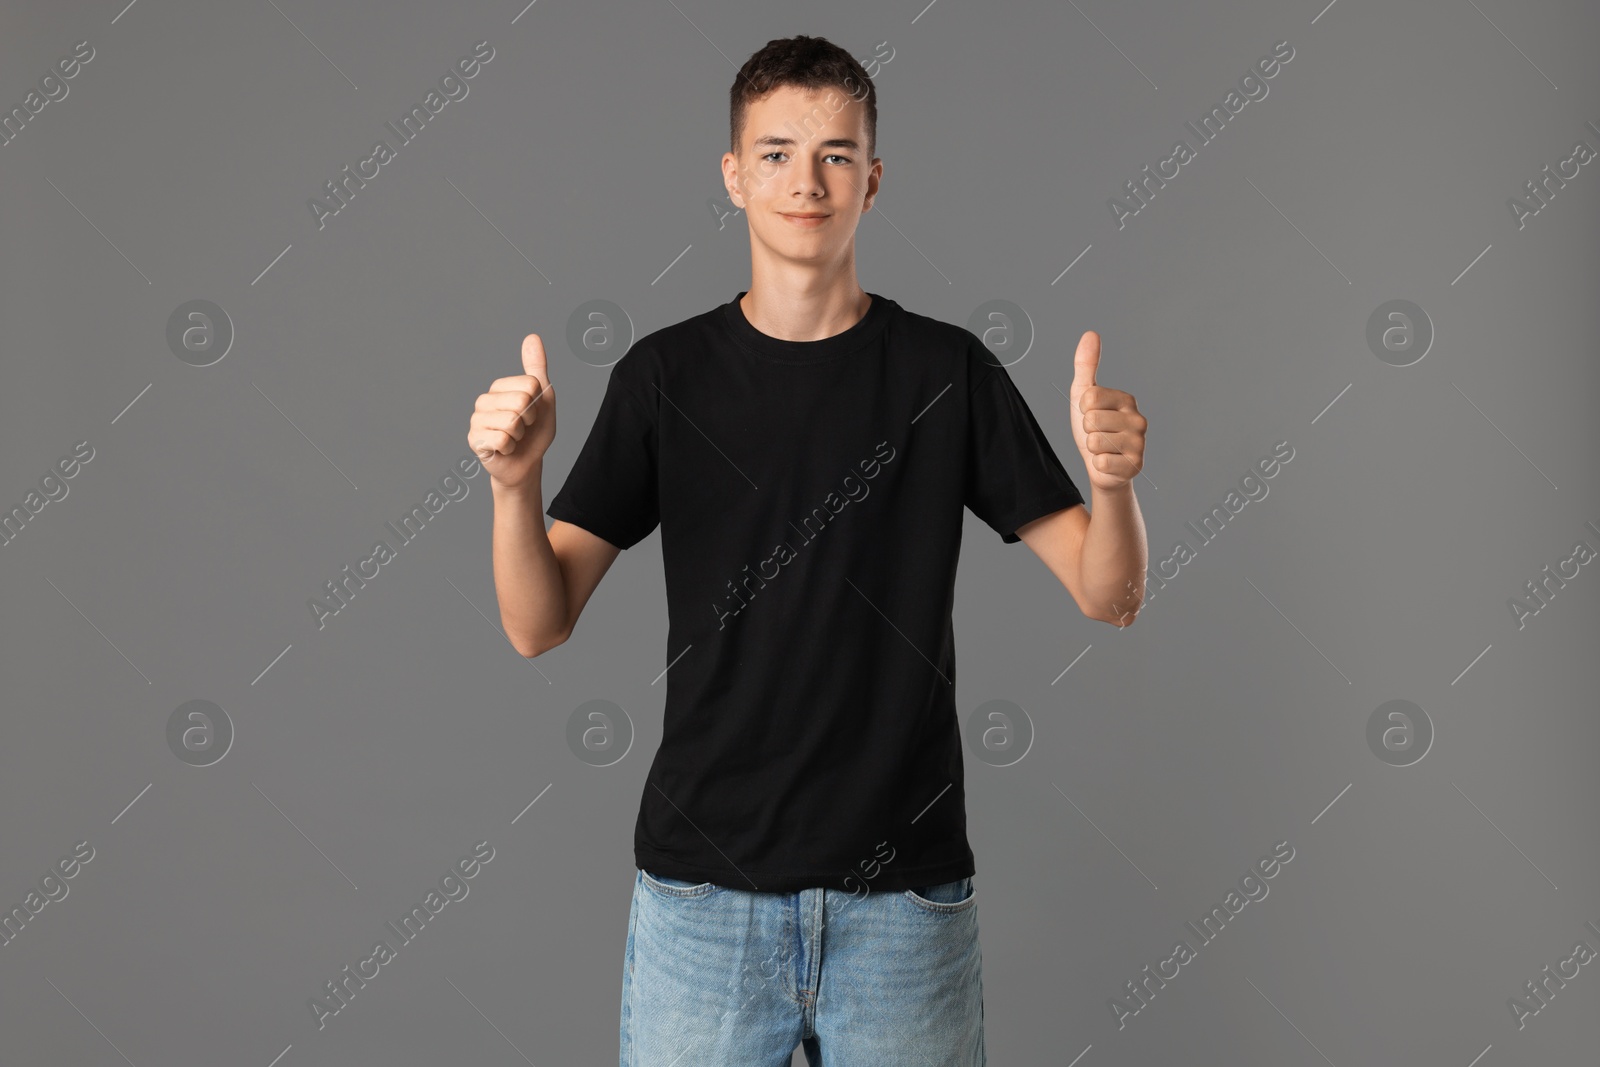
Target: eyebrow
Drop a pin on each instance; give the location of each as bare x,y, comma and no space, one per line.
773,140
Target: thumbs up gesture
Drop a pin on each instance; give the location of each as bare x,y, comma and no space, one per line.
1106,424
514,422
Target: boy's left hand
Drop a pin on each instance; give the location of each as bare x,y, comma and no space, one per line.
1106,424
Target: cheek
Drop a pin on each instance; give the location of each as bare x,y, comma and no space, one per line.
758,181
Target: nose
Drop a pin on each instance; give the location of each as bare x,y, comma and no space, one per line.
804,177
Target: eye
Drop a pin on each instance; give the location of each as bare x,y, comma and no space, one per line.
833,155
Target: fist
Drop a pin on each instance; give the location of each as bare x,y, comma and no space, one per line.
515,421
1106,424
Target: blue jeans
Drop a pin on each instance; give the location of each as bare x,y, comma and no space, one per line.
722,977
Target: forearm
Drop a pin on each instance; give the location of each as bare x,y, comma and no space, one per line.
527,575
1115,555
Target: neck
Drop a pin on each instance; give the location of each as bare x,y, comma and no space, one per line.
808,301
805,307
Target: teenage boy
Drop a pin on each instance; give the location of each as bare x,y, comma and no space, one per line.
807,449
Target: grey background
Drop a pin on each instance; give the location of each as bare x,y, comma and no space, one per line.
372,753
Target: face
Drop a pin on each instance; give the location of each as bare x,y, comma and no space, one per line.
803,153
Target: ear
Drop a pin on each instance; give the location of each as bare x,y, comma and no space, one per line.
874,180
730,178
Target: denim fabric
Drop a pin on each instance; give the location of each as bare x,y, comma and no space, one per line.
721,977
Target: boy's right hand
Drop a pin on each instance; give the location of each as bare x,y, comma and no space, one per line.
515,421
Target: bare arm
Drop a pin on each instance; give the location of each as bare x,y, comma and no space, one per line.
1100,557
1115,554
542,580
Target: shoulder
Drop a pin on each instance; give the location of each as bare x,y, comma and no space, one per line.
951,349
931,334
962,353
653,359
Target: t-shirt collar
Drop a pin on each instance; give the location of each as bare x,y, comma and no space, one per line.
782,351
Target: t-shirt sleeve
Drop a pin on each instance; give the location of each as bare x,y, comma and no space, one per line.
1012,474
611,489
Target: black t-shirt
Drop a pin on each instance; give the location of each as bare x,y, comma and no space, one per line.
810,498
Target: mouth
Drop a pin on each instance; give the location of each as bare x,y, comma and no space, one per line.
807,220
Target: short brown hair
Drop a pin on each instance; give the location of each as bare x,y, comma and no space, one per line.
807,63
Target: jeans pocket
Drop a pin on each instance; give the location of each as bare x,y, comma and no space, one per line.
945,898
676,887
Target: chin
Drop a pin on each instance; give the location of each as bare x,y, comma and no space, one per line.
800,250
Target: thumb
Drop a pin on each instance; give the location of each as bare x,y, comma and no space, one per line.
533,359
535,363
1087,359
